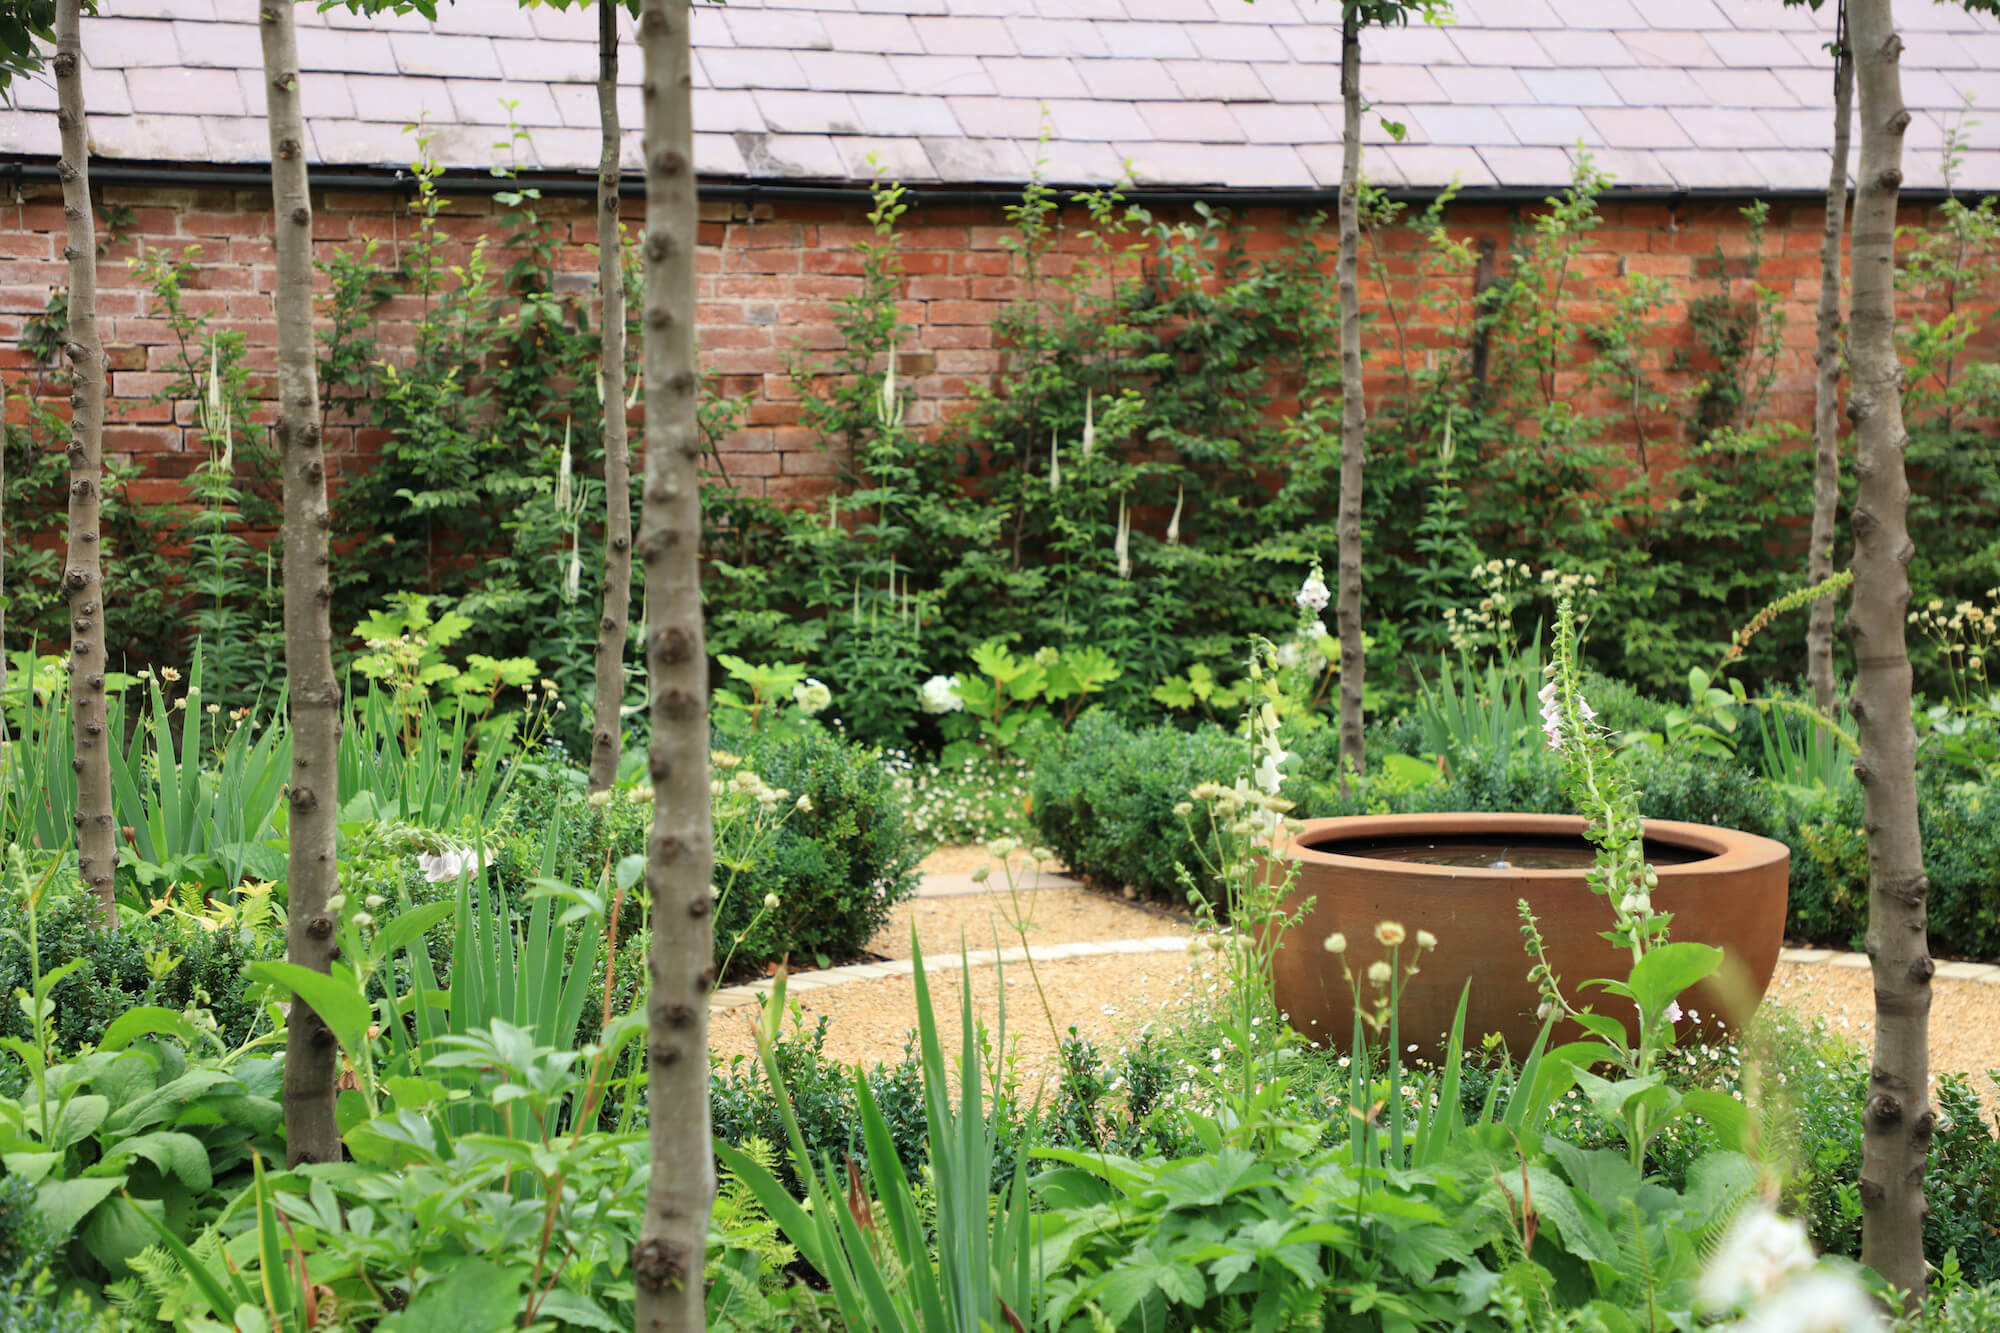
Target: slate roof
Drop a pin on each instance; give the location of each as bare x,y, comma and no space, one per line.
1694,94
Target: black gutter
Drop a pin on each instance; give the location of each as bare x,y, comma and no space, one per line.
579,184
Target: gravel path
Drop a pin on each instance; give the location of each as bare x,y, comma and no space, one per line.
1111,998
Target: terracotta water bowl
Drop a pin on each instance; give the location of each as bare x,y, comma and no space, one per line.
1723,887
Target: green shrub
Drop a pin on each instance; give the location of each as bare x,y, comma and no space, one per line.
116,974
29,1302
1105,796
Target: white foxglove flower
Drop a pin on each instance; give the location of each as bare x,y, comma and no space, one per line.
1313,594
565,472
573,576
1174,523
1055,465
1816,1303
449,865
1121,545
1089,426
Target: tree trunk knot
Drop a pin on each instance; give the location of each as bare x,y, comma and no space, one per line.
1923,968
673,645
288,149
699,906
660,1265
663,1054
1871,1192
669,848
1884,1111
1920,1133
708,978
680,706
303,799
671,160
659,767
320,927
302,216
659,245
680,1013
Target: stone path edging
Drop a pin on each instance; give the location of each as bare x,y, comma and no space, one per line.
1986,972
736,997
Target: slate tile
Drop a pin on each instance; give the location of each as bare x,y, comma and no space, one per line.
346,52
941,75
997,117
847,71
1791,168
1372,118
321,95
1571,87
1809,87
1794,18
386,21
240,138
480,100
1725,127
1237,41
1056,37
707,28
1175,11
1439,164
1464,125
1417,44
163,138
1319,44
132,43
1803,128
1759,50
1484,85
1639,127
1083,121
714,155
1298,123
400,101
896,159
104,92
1707,168
1931,89
362,142
184,92
1096,9
1017,76
725,111
554,62
576,103
931,8
1670,50
986,160
1534,168
444,57
997,9
1066,163
1743,87
1549,126
220,45
576,24
1218,80
880,33
1938,50
189,10
747,68
1152,41
561,149
1630,167
1290,13
1699,15
889,114
1510,13
1583,48
808,113
1127,80
29,131
1253,166
1196,122
809,156
790,31
1596,14
1410,84
964,36
1511,47
1984,49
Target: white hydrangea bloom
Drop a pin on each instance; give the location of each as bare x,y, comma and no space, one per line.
939,694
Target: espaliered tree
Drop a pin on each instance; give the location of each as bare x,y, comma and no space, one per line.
1354,16
1896,1120
609,697
83,571
313,695
1826,383
667,1265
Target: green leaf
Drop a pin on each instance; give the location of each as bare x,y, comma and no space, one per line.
476,1297
146,1020
1663,974
182,1156
409,926
116,1232
78,1121
340,1006
64,1203
575,1308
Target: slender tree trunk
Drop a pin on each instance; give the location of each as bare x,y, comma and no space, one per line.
680,859
604,729
1897,1121
1826,387
311,1058
83,573
1353,408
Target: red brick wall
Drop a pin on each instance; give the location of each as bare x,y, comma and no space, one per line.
768,276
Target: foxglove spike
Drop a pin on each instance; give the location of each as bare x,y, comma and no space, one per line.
1174,523
1055,466
1089,426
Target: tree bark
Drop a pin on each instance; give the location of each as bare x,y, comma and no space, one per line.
667,1265
1353,408
610,697
311,1056
83,573
1826,386
1896,1122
